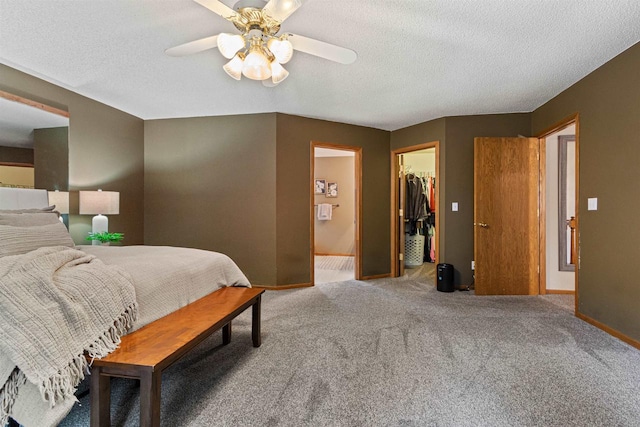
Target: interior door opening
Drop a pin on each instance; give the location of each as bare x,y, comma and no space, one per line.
335,213
415,216
559,255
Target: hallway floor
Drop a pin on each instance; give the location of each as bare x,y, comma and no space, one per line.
330,269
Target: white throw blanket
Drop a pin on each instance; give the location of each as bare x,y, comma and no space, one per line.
56,303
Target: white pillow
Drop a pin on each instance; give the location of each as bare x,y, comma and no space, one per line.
20,240
29,219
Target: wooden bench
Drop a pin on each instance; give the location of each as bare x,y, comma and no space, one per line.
145,353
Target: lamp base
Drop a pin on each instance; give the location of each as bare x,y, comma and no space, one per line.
99,224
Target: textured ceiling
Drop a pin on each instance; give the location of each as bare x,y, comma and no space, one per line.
17,122
417,59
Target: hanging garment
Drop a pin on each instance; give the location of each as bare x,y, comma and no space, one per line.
433,248
432,194
425,190
414,203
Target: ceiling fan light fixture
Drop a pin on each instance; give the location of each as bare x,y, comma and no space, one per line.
282,49
234,67
258,52
230,44
278,73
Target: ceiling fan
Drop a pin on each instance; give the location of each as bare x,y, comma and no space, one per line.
259,52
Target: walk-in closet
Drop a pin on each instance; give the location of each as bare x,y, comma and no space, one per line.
419,208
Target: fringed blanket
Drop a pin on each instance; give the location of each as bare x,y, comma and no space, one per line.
57,303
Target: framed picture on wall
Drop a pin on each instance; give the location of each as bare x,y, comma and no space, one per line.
320,186
332,189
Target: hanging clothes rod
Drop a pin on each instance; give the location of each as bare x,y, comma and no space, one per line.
335,206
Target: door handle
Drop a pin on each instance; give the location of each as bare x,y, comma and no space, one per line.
482,224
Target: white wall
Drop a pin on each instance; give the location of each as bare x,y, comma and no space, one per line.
421,161
558,280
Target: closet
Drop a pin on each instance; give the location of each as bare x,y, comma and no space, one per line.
420,219
420,207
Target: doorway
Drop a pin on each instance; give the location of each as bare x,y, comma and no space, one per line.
415,219
559,217
335,212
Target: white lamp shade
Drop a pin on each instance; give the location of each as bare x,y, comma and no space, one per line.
99,202
281,49
61,200
256,66
278,73
230,44
234,67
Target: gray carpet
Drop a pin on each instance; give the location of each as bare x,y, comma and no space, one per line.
399,353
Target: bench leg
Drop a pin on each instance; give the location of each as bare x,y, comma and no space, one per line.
100,398
150,383
255,323
226,333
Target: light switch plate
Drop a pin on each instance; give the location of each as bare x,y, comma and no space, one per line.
454,206
592,204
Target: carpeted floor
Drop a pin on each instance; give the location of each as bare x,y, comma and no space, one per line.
398,353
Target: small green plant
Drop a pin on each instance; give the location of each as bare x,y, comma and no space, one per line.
106,237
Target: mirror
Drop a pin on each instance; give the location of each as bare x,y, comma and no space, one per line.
34,148
567,201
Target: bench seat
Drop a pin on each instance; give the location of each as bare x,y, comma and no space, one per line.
145,353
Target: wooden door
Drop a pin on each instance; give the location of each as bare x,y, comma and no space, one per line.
401,202
506,216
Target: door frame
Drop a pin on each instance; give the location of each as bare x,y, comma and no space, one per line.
394,200
358,205
567,121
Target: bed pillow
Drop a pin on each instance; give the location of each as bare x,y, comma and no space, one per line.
28,219
30,210
20,240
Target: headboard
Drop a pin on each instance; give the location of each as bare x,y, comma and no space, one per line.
23,198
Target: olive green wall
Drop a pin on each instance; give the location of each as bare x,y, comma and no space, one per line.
608,101
51,158
16,155
294,137
241,185
456,136
105,151
210,183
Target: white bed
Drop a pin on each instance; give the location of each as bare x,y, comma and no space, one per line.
164,278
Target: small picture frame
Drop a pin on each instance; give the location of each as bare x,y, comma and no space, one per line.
320,187
332,189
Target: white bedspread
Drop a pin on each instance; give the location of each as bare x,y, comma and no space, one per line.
165,279
168,278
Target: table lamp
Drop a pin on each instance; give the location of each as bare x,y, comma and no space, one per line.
61,201
99,203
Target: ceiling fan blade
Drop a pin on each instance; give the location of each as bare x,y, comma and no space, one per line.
322,49
218,7
281,9
193,47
